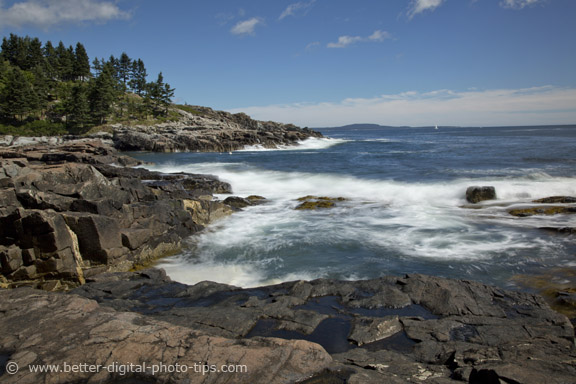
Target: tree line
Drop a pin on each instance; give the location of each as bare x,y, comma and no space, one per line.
58,85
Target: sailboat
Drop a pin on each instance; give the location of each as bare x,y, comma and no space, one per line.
436,126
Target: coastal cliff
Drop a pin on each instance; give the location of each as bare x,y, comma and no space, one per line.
195,129
205,130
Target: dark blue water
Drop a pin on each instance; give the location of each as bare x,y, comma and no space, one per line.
405,190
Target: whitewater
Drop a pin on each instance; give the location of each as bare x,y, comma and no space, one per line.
405,209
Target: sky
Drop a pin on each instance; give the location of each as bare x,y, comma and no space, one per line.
321,63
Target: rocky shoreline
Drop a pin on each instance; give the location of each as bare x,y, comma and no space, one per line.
74,210
409,329
77,217
204,130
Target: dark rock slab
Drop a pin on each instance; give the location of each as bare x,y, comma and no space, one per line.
41,328
394,329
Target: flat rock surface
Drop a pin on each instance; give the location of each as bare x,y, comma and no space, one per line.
90,343
390,330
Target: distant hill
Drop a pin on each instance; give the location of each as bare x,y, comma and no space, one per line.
361,126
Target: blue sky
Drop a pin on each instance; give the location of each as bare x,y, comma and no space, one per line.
334,62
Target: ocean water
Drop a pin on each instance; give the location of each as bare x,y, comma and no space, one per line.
404,190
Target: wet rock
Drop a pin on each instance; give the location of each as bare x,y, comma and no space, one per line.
542,210
315,202
565,230
81,332
369,330
557,286
237,202
556,200
476,194
448,329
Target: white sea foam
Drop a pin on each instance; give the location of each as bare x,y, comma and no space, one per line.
385,219
312,143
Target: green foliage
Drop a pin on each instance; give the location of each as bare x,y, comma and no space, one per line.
189,109
34,128
52,89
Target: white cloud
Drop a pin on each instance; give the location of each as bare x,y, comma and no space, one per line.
519,4
49,13
419,6
530,106
246,27
345,41
295,8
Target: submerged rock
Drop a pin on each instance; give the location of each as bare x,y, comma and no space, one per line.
477,194
542,210
556,200
314,202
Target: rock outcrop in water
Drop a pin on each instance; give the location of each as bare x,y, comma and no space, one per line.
70,211
209,131
389,330
477,194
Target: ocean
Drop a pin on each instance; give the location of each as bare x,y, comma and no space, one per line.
404,209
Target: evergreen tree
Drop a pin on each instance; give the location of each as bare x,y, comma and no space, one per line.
41,87
124,68
81,63
102,94
19,98
65,62
77,109
115,67
138,81
13,50
97,66
34,53
51,62
159,95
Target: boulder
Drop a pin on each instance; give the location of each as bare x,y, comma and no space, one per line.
477,194
237,202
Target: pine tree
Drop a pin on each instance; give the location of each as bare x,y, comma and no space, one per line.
102,94
138,81
41,88
19,98
51,62
97,66
77,109
13,50
115,68
34,54
124,68
65,62
159,95
81,63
